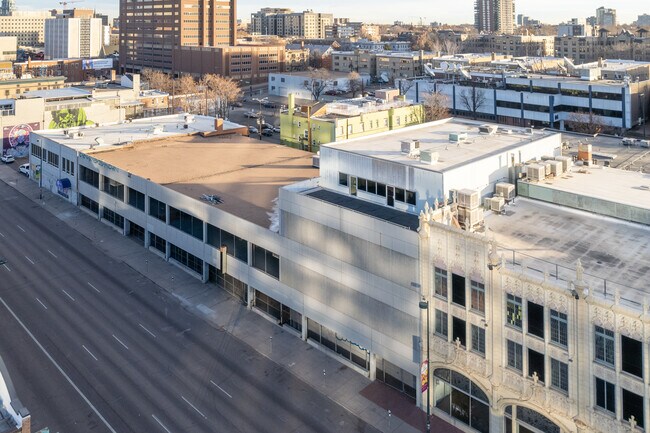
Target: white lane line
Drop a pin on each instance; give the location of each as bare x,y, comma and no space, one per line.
94,288
2,235
58,367
90,353
53,255
67,294
6,267
30,260
194,407
150,333
222,390
160,422
120,341
20,227
39,301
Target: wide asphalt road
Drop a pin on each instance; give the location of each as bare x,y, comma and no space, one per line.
93,346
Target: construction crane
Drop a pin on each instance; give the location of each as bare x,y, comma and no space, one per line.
69,2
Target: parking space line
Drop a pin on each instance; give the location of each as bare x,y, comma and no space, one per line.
67,294
94,288
89,352
150,333
2,235
53,255
160,422
222,390
194,407
6,267
30,260
20,228
120,341
39,301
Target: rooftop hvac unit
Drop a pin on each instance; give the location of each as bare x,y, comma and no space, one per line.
429,156
457,136
628,141
529,131
547,168
409,146
468,198
189,118
498,204
556,168
75,134
487,129
158,129
548,158
470,218
507,131
644,143
315,161
536,172
567,162
506,190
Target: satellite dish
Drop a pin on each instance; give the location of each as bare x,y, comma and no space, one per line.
444,66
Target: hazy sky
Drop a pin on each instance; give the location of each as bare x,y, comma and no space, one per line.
387,11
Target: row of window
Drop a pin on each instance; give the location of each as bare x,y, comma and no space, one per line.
535,322
458,295
536,366
459,331
604,351
370,186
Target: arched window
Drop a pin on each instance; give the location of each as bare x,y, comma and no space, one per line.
462,399
520,419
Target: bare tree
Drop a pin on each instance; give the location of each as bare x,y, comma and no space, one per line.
404,85
186,89
157,80
355,83
450,47
587,123
435,106
472,99
318,81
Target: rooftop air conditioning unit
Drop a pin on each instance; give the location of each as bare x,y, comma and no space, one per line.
505,190
556,168
457,137
567,162
547,168
409,146
487,129
468,198
470,218
536,172
429,156
498,204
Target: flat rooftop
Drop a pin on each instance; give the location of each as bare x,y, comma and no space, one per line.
435,136
245,173
546,234
64,93
150,128
611,149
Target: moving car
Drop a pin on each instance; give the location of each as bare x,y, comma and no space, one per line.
250,115
24,169
7,159
253,130
267,132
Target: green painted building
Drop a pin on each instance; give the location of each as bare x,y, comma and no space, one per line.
346,119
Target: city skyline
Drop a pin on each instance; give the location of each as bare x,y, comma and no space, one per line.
551,11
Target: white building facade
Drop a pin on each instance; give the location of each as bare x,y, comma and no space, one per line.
73,38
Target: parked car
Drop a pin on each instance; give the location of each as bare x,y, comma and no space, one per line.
269,104
24,169
253,130
7,159
276,129
267,126
250,115
267,132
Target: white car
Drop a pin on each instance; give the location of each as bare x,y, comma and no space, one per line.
250,115
24,169
7,159
276,129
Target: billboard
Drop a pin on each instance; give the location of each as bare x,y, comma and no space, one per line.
15,139
97,64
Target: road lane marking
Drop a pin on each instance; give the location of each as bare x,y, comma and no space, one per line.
6,267
90,353
194,407
2,235
222,390
160,422
67,294
58,367
94,288
20,227
120,341
150,333
39,301
30,260
53,255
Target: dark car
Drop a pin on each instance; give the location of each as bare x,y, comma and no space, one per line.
269,104
267,132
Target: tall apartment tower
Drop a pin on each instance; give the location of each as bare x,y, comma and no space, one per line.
150,29
7,7
605,17
494,16
73,38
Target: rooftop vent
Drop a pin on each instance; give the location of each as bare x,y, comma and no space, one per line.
457,137
487,129
408,146
429,156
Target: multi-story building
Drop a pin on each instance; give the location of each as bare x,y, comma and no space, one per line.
624,45
7,7
391,66
73,38
151,32
511,45
311,85
612,91
365,44
522,317
605,17
11,88
643,20
494,16
346,119
8,45
27,26
575,27
285,23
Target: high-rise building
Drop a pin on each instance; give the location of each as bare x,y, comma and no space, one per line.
150,30
605,16
73,38
494,16
27,26
284,22
7,7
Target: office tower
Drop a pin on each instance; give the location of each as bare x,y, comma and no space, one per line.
494,16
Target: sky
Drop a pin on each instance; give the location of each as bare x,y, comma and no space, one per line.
387,11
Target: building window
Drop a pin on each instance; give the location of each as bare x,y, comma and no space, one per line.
536,364
458,289
89,176
158,243
186,259
631,356
513,311
396,377
441,323
478,339
157,209
606,395
535,319
604,342
266,261
343,179
478,296
559,375
515,356
89,204
113,218
632,406
113,188
440,281
559,327
344,347
53,159
457,396
235,246
136,199
186,222
459,330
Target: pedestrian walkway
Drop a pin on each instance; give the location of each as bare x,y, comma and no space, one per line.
367,400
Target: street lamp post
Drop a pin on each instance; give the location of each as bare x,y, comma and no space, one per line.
424,305
260,119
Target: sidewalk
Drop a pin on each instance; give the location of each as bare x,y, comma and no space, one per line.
365,399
